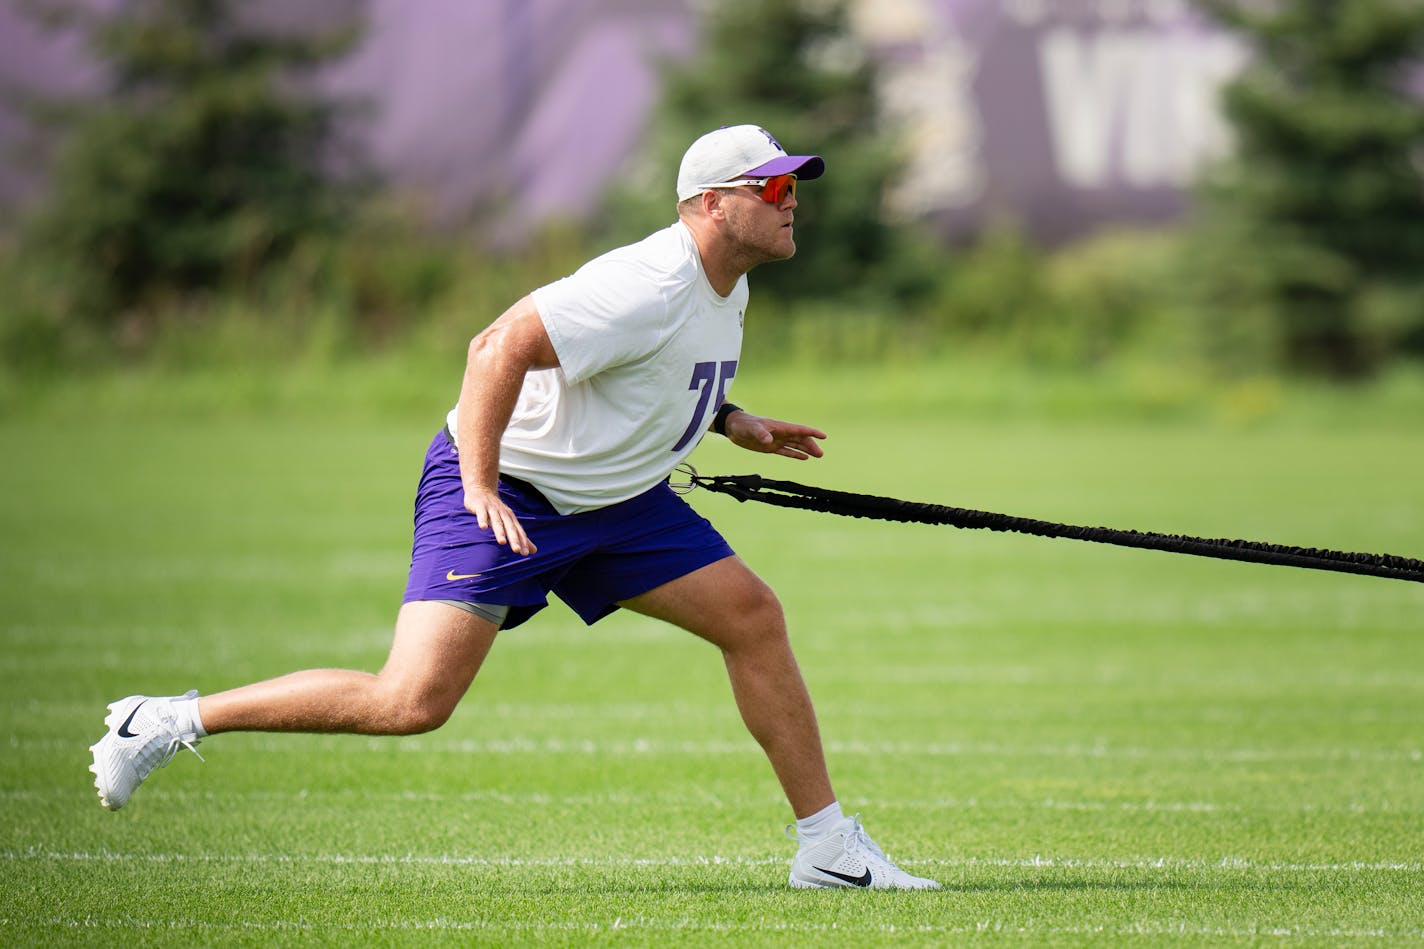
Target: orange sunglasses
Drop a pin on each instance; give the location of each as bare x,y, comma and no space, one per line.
773,190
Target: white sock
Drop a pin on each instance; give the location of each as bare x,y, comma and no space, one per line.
818,825
188,718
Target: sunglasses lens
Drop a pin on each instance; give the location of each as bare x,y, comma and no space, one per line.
776,189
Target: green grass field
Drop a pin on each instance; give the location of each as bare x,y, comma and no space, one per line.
1085,744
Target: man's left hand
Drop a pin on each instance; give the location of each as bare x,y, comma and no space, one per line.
774,437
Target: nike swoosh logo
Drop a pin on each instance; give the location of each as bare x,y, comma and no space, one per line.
124,728
862,880
452,575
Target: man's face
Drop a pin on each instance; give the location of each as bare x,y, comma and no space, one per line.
762,229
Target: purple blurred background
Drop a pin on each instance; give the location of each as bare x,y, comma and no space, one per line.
1067,114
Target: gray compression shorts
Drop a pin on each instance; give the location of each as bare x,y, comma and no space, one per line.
494,612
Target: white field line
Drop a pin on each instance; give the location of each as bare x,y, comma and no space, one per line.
1038,862
892,716
1030,927
701,799
708,799
656,746
742,746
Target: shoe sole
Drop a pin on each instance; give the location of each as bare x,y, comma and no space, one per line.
798,884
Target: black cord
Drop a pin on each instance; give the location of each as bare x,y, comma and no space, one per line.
793,495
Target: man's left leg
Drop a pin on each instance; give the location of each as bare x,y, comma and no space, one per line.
731,607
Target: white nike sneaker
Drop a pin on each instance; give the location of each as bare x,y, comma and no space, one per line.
143,735
849,857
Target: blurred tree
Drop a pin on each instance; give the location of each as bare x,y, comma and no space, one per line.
1317,219
209,157
796,68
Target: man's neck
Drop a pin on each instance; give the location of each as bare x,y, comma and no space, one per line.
722,273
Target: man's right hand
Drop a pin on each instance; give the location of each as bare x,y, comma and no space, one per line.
494,515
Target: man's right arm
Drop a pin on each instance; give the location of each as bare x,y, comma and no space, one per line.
499,357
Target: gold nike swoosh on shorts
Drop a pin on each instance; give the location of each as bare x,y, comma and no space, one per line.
452,575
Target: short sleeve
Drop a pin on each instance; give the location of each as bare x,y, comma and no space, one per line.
608,313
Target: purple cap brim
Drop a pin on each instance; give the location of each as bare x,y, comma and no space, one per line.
804,167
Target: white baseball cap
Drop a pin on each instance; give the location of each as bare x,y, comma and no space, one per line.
740,151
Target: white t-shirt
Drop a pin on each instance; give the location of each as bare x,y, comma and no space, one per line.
647,352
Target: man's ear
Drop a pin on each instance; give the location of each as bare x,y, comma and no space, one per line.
712,203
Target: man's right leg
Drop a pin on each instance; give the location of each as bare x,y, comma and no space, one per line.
434,656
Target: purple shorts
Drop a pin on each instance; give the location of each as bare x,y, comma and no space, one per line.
591,561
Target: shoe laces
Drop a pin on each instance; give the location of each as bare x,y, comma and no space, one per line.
178,741
858,839
175,744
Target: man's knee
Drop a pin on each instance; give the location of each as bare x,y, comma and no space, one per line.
415,711
755,617
765,611
418,719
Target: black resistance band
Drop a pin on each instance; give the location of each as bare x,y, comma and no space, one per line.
790,494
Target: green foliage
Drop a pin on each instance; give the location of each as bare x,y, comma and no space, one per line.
210,159
195,221
1316,221
1116,296
797,69
1115,299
